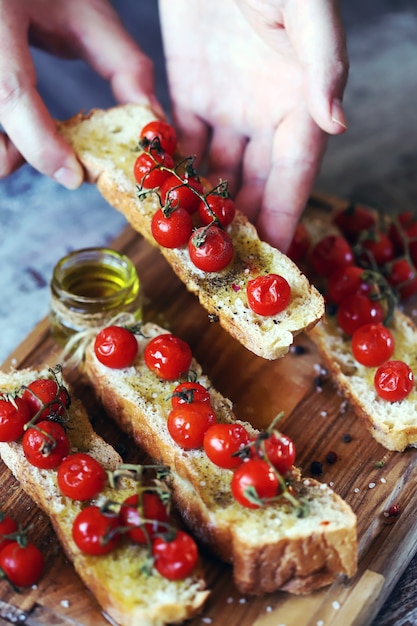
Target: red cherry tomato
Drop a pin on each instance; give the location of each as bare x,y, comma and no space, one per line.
172,230
22,564
254,481
175,558
222,442
146,516
161,131
80,476
394,381
372,344
147,169
188,392
46,392
411,236
168,356
269,294
219,207
401,229
300,244
354,220
329,254
188,423
280,450
14,414
46,444
210,248
357,310
116,347
184,193
378,247
95,532
346,282
8,526
403,277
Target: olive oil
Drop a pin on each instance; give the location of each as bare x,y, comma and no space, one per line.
89,288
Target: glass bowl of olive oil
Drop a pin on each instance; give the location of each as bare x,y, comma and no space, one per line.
89,288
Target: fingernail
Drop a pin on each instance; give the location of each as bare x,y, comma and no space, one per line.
338,114
70,176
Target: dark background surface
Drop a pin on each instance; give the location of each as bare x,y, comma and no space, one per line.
375,162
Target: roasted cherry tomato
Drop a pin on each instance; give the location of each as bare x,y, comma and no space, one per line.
402,228
8,526
181,192
394,381
147,169
222,442
173,228
253,482
46,392
346,282
175,557
269,294
300,244
372,344
353,220
329,254
80,476
168,356
280,450
403,277
217,207
45,444
357,310
14,414
188,392
95,532
210,248
116,347
188,423
22,564
160,131
146,515
377,248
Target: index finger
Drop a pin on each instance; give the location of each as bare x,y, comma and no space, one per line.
23,114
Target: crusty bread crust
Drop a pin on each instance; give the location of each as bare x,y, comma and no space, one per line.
124,593
392,424
106,142
270,548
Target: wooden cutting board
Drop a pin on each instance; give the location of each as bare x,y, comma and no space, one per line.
369,477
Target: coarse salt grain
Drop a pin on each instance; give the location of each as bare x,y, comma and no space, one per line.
229,600
242,600
323,413
383,481
206,620
336,605
268,609
320,623
371,485
202,483
356,490
65,603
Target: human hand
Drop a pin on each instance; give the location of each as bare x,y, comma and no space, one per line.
257,86
87,29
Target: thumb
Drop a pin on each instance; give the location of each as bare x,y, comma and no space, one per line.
317,35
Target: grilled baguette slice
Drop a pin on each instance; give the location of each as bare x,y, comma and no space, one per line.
393,425
124,593
271,547
106,144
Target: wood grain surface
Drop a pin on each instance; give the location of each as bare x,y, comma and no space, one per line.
370,478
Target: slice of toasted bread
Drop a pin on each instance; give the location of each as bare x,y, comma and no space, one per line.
106,143
126,594
271,547
392,424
